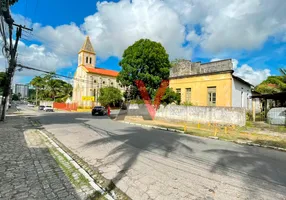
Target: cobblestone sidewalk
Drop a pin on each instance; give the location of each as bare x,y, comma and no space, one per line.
27,169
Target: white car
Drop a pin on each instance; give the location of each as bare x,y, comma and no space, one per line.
31,105
48,109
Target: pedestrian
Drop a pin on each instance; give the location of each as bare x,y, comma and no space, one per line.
108,110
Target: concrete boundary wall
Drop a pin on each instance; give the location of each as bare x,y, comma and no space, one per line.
220,115
195,114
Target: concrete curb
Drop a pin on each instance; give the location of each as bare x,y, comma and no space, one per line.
155,127
211,137
79,168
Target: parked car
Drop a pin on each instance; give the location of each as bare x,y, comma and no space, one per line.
48,109
41,107
31,105
277,116
99,110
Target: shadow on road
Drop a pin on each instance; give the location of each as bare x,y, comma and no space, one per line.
253,163
137,140
267,166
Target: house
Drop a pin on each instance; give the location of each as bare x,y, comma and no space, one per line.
210,84
89,79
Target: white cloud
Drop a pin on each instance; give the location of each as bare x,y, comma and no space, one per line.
233,24
64,40
193,37
224,25
247,73
118,25
254,77
234,63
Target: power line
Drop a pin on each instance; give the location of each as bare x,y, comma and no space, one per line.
49,72
60,75
12,64
50,46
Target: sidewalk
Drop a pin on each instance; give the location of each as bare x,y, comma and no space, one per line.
27,168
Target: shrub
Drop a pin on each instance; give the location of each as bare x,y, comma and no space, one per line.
188,104
249,116
137,101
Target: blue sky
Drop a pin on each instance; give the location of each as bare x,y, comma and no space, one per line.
187,29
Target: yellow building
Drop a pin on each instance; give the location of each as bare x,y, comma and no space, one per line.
210,84
88,79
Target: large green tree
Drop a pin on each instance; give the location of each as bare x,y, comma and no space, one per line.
109,96
32,95
146,61
273,84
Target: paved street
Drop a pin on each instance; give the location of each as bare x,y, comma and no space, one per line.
27,169
153,164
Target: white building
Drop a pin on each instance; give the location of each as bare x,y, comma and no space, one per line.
241,93
88,79
21,89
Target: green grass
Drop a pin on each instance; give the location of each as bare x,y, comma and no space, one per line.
60,159
96,196
247,133
249,124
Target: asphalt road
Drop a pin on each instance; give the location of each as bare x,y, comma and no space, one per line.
187,167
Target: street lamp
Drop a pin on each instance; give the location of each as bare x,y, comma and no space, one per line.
98,87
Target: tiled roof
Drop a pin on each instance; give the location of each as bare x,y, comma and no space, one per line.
101,71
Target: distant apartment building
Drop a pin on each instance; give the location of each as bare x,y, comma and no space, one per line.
21,89
210,84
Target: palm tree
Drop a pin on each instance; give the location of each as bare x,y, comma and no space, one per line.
283,72
38,83
54,88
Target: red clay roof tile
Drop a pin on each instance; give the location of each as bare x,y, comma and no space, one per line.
106,72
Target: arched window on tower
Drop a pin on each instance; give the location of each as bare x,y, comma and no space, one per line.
89,60
86,60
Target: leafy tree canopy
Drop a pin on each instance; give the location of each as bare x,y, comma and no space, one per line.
109,96
51,88
273,84
147,61
15,97
170,97
32,95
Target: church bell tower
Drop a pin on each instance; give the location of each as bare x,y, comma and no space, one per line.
87,55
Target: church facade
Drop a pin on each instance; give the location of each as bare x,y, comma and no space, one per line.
88,79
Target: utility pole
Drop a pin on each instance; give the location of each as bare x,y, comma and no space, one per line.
11,69
36,96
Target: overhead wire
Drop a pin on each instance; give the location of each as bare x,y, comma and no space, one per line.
49,72
50,46
60,75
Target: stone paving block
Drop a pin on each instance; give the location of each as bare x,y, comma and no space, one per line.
27,169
